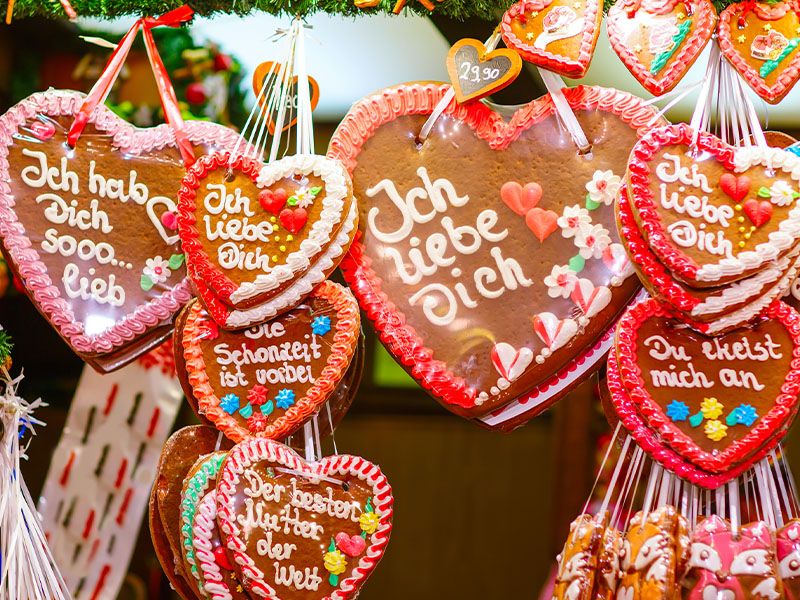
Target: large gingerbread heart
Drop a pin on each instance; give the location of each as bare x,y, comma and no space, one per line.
258,234
559,35
299,530
716,401
90,230
761,39
267,380
713,214
658,40
488,257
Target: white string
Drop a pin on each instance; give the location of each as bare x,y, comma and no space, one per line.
681,94
330,421
308,440
311,476
733,497
702,107
600,472
554,85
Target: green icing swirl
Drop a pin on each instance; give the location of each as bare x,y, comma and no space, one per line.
660,61
770,65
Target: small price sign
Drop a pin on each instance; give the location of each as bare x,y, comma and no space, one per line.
475,72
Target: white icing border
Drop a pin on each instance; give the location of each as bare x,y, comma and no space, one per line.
335,178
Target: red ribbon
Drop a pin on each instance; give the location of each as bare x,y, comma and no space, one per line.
169,102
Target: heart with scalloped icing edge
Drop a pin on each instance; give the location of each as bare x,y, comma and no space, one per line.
659,40
335,499
558,35
266,381
719,403
445,265
88,230
688,211
762,41
248,253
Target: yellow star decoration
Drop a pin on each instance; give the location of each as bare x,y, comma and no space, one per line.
741,39
577,5
711,408
715,430
534,14
681,16
529,36
637,48
767,26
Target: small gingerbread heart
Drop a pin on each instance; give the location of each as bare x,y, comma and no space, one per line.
759,212
541,222
521,198
273,200
293,219
736,187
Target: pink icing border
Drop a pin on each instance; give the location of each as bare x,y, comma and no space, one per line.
32,270
257,450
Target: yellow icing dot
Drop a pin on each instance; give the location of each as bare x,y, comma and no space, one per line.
289,237
282,248
747,235
277,238
752,227
275,258
273,219
740,219
741,229
741,244
738,207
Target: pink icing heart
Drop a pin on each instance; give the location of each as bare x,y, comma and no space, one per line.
521,199
169,220
351,545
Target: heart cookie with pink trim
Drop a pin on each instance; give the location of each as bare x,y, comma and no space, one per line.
290,525
762,41
719,403
259,237
89,230
558,35
659,40
266,381
706,227
493,285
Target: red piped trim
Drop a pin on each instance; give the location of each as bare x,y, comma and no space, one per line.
364,118
263,450
771,425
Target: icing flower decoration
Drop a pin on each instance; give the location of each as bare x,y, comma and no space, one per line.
321,325
368,520
592,240
677,411
335,563
603,187
715,430
304,197
284,399
257,422
560,282
711,408
257,395
157,269
209,330
745,414
229,403
572,219
782,194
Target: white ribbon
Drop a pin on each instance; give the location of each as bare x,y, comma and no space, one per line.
554,85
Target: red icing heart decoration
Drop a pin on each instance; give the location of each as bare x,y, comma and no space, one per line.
169,220
559,35
337,498
759,213
221,558
705,407
658,41
351,545
688,217
87,229
273,200
425,264
761,41
293,219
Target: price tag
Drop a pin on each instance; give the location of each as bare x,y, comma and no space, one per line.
475,73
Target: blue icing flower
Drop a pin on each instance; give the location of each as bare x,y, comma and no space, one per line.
677,411
229,403
321,325
746,414
284,399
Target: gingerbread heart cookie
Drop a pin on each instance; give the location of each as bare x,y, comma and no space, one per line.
486,281
659,40
577,563
558,35
718,402
475,72
302,530
714,214
90,231
788,555
761,39
267,380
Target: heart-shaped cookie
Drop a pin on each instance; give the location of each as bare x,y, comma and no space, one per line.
248,253
659,40
716,401
686,206
761,40
476,73
88,230
446,266
281,517
267,380
559,35
267,72
709,310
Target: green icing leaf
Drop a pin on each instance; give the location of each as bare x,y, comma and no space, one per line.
696,419
576,263
6,345
292,201
332,546
763,192
267,408
333,580
315,190
732,419
176,260
591,204
146,283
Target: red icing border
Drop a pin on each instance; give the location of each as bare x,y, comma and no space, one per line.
788,77
542,58
340,353
679,63
32,270
364,118
247,453
771,425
